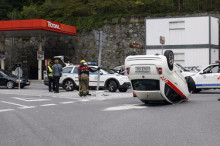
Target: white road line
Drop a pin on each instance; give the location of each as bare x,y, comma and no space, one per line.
30,99
14,104
48,104
6,110
125,107
68,102
27,107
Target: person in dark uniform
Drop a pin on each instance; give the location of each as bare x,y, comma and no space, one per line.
50,77
83,74
57,73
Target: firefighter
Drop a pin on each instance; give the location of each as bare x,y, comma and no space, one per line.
83,74
50,77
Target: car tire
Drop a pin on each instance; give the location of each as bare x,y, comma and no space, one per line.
122,89
191,84
68,85
112,86
10,85
196,90
170,58
145,101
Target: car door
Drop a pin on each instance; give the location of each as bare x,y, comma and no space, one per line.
1,79
93,77
208,78
65,73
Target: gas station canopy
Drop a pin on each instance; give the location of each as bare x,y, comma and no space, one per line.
34,27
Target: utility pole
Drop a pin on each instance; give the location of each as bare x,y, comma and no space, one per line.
100,38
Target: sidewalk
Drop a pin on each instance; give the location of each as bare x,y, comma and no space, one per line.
36,81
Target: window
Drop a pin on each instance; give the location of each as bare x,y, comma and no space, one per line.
75,70
171,94
211,69
145,85
67,70
177,25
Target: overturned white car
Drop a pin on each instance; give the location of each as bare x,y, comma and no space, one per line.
156,78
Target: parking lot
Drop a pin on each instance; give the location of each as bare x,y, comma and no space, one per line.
34,116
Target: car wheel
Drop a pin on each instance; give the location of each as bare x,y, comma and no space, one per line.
170,58
112,86
68,85
191,84
122,89
196,90
145,101
10,85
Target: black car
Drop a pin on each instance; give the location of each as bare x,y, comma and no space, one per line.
10,81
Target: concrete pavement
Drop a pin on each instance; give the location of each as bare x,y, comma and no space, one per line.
40,118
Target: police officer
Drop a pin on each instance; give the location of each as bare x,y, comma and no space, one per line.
57,73
83,74
50,77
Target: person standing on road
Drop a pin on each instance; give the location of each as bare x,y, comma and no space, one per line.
83,74
50,77
57,73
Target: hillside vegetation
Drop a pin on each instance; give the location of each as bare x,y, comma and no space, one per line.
90,14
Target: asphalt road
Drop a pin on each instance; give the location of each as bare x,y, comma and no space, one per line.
35,117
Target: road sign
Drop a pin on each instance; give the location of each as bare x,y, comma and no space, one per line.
162,40
40,55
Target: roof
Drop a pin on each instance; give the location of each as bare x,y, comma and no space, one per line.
34,27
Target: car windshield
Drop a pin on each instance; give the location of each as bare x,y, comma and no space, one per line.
181,67
66,60
6,73
105,71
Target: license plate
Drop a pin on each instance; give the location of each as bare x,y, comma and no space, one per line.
27,83
142,69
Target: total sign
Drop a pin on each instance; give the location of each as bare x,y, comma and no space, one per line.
53,25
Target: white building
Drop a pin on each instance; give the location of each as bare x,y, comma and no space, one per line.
194,40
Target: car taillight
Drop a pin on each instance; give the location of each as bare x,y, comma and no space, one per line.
128,70
134,95
159,70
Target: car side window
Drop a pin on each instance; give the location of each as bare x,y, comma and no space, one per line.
75,70
211,69
67,70
93,68
1,75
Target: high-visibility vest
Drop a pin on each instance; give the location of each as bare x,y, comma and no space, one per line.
50,74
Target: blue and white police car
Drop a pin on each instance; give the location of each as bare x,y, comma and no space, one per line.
208,78
69,80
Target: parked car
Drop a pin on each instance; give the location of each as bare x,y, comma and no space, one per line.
10,81
156,78
208,78
69,80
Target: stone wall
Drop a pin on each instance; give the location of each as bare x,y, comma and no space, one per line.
120,34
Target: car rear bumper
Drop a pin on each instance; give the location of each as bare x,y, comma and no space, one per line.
125,85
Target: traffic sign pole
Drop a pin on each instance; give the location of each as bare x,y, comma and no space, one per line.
100,58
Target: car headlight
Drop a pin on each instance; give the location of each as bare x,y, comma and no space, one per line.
17,81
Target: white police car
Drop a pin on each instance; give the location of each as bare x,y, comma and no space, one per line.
208,78
112,82
156,78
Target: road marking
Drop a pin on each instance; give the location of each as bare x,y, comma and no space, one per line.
6,110
125,107
68,102
26,107
20,105
30,99
48,104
